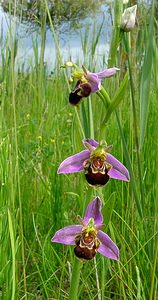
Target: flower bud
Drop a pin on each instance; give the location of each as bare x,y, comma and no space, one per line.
69,64
70,80
128,18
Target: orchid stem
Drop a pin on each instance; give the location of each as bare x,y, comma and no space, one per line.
75,278
79,122
91,118
99,192
97,279
103,277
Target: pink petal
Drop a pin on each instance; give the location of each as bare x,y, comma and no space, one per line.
107,248
94,211
92,142
67,235
118,170
74,163
94,81
107,73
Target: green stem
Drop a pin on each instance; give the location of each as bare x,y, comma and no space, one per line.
115,40
154,272
102,276
104,96
12,240
75,278
91,124
97,279
79,122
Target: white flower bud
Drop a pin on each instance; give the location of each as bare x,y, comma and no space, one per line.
125,1
128,18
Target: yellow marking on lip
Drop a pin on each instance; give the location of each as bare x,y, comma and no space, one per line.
99,152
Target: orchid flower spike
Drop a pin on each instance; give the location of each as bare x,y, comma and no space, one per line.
98,165
87,237
87,82
128,18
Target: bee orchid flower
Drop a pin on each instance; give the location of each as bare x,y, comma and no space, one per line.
98,165
87,82
87,237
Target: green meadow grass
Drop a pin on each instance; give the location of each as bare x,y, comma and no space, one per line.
38,130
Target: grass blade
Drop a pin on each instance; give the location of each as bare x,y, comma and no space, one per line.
145,81
12,239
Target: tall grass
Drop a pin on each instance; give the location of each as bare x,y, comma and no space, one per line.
38,130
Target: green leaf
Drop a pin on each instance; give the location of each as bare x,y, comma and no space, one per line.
104,96
117,99
130,169
146,80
